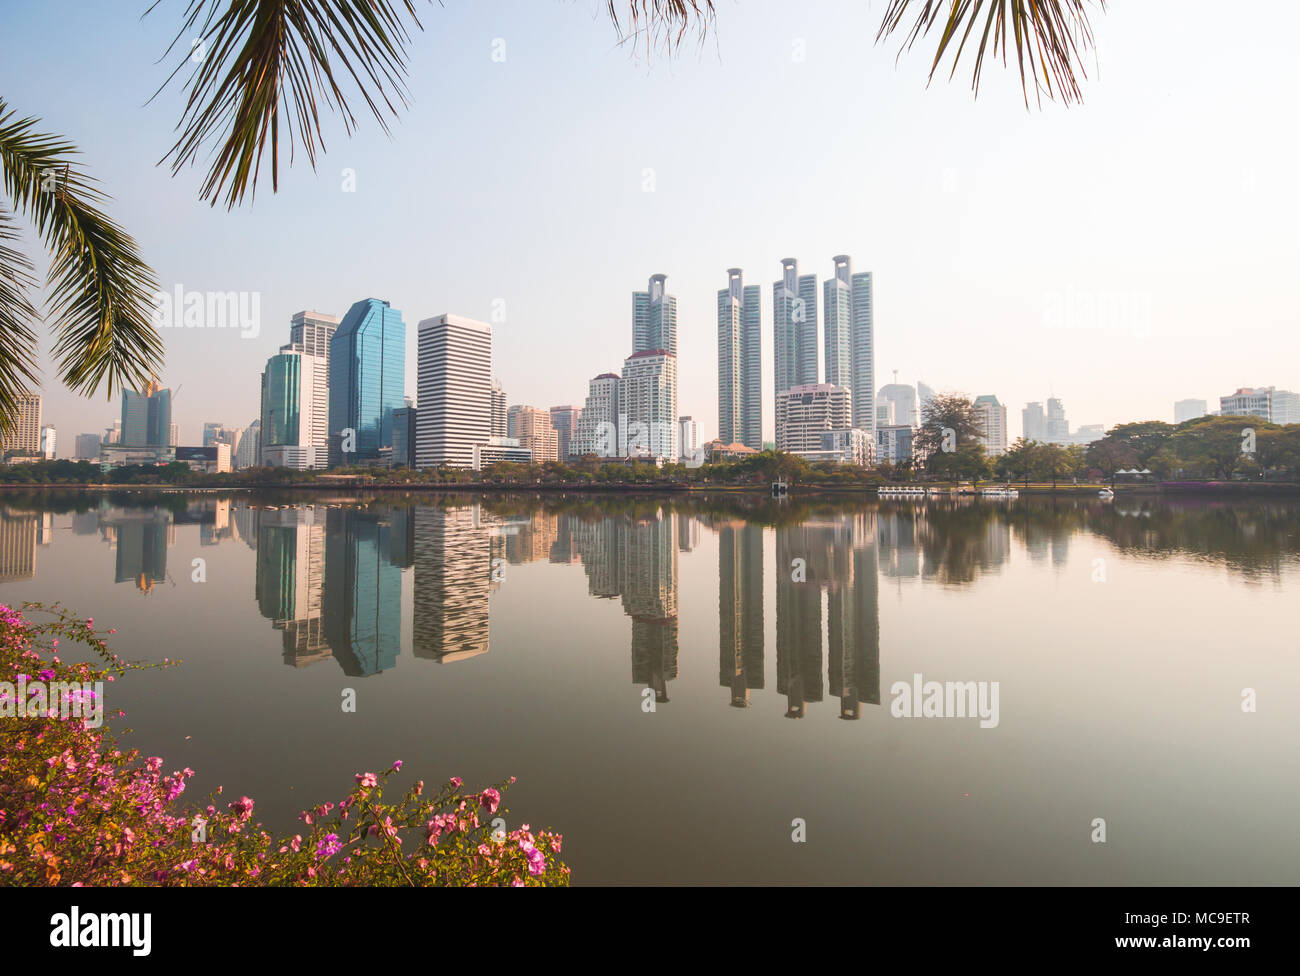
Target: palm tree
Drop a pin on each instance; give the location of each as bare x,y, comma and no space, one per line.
100,289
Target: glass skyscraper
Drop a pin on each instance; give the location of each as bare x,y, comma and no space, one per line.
367,382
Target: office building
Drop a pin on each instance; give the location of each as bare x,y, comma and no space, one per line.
404,423
849,338
147,417
367,383
903,399
804,412
498,449
454,391
993,417
688,437
1058,428
248,454
499,421
1268,403
1033,422
894,443
533,429
87,447
48,437
290,422
654,318
598,423
565,421
794,331
740,363
647,405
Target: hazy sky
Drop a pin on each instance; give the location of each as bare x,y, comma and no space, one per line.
1123,254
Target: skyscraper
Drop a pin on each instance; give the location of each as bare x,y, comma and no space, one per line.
688,437
147,417
598,423
367,382
647,398
454,391
87,447
903,397
498,410
994,417
1033,422
26,436
740,364
1058,428
654,318
1188,410
533,428
794,331
849,337
290,435
48,436
565,420
312,332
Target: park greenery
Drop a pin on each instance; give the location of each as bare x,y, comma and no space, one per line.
76,809
947,443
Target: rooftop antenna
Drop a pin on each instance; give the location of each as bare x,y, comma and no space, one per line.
895,376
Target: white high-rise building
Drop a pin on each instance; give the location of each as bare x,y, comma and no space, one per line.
311,332
1185,410
1033,422
740,363
1267,403
794,331
849,338
994,418
249,452
647,405
688,437
48,435
454,389
903,398
598,423
1058,428
805,412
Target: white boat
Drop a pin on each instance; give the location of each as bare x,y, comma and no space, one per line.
1105,493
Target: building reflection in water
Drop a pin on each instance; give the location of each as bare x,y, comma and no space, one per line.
454,576
290,580
740,609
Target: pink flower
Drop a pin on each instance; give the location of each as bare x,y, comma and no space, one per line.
536,861
243,808
367,779
397,765
491,799
455,782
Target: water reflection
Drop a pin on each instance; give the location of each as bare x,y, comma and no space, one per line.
330,573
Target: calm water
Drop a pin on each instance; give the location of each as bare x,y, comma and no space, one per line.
675,683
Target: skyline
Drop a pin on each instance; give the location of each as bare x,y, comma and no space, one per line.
975,291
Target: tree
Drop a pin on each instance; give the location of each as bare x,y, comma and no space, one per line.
950,424
1110,455
100,289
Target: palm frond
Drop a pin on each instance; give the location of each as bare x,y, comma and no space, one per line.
265,62
17,338
1050,38
661,23
100,289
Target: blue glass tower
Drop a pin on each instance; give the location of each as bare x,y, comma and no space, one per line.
367,381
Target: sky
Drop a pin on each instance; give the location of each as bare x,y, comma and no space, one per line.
1121,254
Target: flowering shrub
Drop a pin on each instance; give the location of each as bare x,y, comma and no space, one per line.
77,810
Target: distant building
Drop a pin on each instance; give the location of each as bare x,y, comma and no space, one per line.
498,449
213,459
499,421
718,450
804,412
688,437
849,338
851,445
1185,410
565,421
48,436
248,454
903,398
533,429
740,364
113,433
454,391
993,415
173,435
404,422
598,424
794,332
1058,428
147,417
1268,403
87,447
290,435
647,405
894,443
367,383
1033,422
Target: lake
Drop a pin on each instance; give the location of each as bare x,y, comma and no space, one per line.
724,689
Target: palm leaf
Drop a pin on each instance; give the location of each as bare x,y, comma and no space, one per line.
100,290
17,339
1050,38
264,59
662,23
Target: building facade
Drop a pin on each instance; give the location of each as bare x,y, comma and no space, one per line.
993,416
647,405
598,423
367,383
533,429
740,362
291,435
804,412
454,391
565,421
794,331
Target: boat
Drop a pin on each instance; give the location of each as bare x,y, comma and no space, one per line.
1105,493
